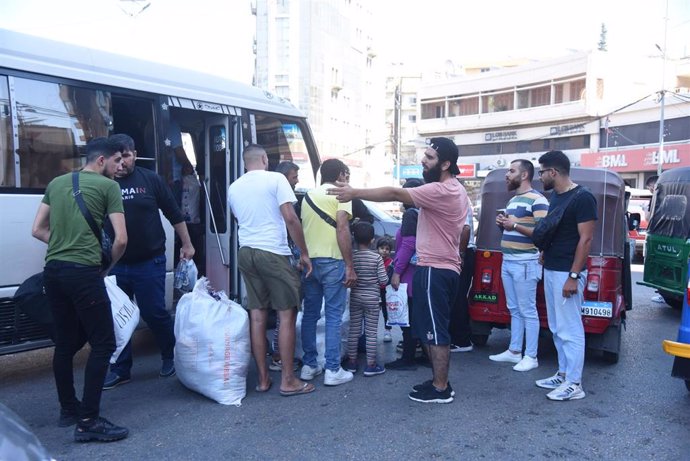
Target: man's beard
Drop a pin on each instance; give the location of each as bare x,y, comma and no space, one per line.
547,185
513,184
432,174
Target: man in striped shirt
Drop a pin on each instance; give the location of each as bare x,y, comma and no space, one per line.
521,270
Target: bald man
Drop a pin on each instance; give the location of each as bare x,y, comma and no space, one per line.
263,203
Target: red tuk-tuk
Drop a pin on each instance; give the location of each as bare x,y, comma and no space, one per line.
608,292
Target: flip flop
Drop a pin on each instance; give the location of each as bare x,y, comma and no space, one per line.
258,389
307,388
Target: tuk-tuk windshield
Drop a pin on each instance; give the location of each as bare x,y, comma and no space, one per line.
670,217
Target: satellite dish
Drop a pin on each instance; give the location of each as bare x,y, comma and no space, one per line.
501,162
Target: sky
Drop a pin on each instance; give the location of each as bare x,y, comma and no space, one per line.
216,36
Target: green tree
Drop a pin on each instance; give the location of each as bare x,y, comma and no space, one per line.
601,46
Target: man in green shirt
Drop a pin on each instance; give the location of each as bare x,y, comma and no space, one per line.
73,281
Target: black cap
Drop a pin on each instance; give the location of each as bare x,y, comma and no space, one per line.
447,151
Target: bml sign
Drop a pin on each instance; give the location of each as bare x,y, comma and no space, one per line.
635,160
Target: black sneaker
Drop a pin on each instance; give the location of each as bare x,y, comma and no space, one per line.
99,429
429,394
68,418
402,365
168,368
112,380
429,384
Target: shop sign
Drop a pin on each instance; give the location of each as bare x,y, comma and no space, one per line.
567,129
633,160
500,136
467,170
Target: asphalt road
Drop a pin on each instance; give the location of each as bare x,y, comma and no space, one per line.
633,410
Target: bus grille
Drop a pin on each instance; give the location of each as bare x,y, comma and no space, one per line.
18,332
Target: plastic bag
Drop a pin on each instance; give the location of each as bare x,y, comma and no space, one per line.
212,349
125,315
396,303
186,274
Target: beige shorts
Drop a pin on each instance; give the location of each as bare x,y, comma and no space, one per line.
270,279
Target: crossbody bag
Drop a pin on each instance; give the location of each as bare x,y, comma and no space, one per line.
545,230
101,235
322,214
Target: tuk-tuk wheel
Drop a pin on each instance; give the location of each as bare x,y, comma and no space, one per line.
479,340
673,301
611,357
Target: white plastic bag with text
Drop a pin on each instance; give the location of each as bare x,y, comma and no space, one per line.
396,304
125,315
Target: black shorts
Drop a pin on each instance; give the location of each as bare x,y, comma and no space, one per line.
434,292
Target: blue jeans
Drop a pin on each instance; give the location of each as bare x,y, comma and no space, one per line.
520,280
81,309
325,284
565,322
145,281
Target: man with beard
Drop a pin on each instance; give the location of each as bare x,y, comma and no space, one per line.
443,206
521,271
565,275
141,271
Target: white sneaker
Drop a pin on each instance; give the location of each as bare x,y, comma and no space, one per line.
387,336
552,382
526,364
308,373
567,391
506,356
334,378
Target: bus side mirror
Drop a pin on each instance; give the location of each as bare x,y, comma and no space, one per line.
633,221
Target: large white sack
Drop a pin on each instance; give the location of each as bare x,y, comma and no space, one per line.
212,349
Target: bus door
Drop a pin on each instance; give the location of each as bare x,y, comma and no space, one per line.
220,150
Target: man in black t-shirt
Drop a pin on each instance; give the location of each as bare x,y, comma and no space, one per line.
565,263
141,271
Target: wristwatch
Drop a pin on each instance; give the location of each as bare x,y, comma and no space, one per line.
574,275
515,226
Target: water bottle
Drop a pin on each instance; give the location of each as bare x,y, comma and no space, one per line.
180,275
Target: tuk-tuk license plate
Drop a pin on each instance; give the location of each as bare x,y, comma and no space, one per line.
597,309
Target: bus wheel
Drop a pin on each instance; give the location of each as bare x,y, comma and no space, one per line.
479,340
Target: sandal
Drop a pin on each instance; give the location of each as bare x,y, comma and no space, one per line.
307,388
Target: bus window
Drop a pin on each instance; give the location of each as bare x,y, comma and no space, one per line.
188,146
284,141
55,121
6,155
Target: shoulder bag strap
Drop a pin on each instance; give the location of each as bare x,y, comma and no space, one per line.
76,192
320,212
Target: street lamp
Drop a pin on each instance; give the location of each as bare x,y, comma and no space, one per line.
662,95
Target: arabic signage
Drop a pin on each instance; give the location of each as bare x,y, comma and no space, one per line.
632,160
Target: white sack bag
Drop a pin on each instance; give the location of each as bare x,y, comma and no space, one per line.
125,315
212,348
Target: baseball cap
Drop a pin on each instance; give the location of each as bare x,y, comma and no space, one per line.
447,151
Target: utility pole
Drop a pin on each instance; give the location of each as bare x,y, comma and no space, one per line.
663,95
396,127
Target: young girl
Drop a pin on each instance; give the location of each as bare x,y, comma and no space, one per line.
384,247
364,299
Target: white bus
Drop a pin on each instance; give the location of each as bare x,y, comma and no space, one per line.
54,97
